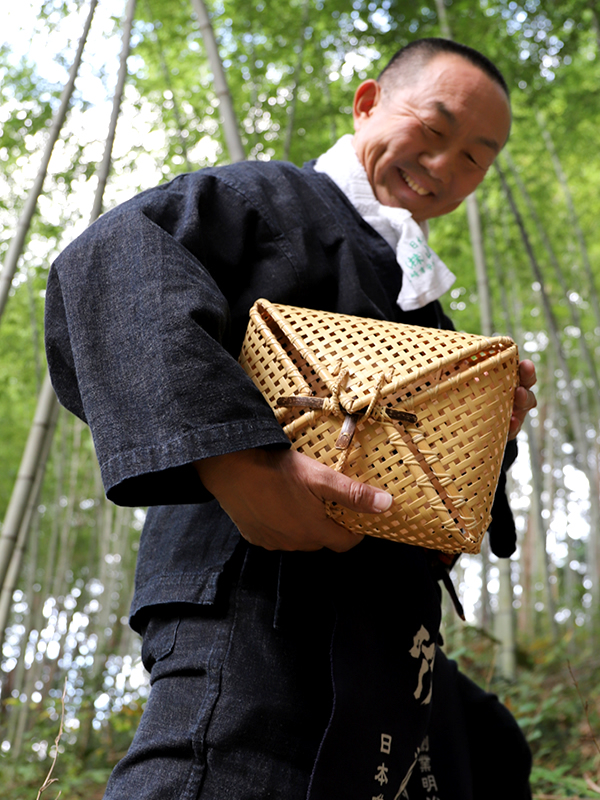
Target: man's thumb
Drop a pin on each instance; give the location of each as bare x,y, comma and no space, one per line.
357,496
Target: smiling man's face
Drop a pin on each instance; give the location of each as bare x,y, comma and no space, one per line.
425,146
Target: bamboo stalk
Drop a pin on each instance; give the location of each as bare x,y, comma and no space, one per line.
564,184
228,116
574,412
10,583
16,246
17,507
289,133
574,311
504,620
481,272
549,314
443,19
105,164
487,326
536,513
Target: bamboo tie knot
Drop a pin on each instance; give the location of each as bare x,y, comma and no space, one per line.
332,406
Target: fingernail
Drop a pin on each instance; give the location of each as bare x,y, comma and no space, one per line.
382,501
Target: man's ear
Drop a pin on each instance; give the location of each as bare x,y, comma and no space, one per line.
366,98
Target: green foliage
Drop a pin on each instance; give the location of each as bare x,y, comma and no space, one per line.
558,781
298,67
79,773
555,699
26,102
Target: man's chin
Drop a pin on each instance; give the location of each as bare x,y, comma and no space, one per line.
419,209
434,212
397,201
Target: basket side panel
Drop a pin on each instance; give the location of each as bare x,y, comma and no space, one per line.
261,358
417,516
468,428
461,438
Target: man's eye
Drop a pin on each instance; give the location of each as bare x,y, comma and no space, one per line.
433,130
474,161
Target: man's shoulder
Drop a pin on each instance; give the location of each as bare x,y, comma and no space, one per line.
273,188
246,175
278,191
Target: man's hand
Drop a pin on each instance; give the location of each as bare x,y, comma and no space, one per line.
277,498
525,399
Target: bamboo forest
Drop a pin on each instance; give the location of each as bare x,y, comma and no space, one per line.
101,100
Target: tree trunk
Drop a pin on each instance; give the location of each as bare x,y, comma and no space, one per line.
228,116
574,412
562,179
289,134
104,169
42,427
16,246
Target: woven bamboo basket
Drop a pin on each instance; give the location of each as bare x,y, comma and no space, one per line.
420,412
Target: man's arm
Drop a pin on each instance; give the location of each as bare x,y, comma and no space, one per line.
139,342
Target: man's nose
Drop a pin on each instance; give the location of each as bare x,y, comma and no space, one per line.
439,165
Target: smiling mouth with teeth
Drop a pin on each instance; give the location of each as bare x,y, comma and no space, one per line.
413,185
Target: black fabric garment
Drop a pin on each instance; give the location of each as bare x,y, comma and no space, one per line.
474,749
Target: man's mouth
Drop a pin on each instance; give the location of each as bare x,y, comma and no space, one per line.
412,184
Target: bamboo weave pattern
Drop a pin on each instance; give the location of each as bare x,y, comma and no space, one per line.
344,381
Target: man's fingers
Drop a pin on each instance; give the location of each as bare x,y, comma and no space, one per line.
317,533
344,540
331,486
525,399
278,499
527,374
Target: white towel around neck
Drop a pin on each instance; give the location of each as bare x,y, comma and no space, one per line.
425,277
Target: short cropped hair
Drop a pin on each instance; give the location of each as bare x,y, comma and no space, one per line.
415,55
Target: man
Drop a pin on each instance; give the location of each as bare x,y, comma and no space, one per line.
296,659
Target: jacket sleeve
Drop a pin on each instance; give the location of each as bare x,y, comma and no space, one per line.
139,342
